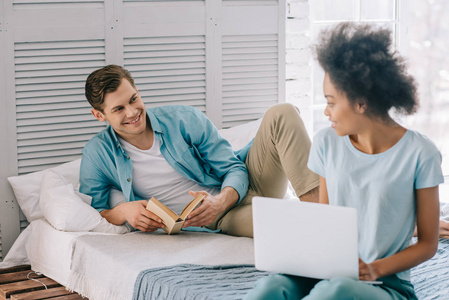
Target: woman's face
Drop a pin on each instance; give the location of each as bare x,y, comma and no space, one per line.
346,118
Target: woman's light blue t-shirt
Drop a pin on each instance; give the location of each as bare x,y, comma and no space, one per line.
380,186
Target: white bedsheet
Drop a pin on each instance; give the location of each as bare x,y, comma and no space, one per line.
105,266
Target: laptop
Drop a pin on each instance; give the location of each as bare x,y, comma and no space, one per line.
305,239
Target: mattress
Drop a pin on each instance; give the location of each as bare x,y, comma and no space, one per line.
106,266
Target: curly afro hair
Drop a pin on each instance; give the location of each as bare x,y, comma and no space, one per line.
360,64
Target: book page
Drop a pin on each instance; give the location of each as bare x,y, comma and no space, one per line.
188,209
164,208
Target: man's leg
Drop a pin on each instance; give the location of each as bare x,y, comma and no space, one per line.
279,153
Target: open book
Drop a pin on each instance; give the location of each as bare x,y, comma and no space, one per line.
173,223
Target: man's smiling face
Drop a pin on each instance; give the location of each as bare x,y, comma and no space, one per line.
124,110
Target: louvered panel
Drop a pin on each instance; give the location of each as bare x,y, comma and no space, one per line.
250,80
250,99
61,66
59,126
27,166
250,2
57,133
55,107
168,70
53,147
249,62
44,79
57,120
230,108
29,114
248,93
250,68
53,100
38,155
141,3
40,2
55,4
53,117
249,74
54,140
184,67
43,73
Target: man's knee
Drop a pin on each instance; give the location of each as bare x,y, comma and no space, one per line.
282,109
238,221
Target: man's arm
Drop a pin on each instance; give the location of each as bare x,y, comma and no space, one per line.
136,214
218,154
95,183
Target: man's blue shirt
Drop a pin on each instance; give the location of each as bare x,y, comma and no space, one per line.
190,143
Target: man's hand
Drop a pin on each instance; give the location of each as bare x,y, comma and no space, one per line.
136,214
211,207
444,229
367,271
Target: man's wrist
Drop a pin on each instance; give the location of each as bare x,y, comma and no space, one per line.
113,215
229,196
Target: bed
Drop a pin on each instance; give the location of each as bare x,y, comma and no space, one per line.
70,243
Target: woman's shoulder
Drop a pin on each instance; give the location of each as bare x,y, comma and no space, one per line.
421,141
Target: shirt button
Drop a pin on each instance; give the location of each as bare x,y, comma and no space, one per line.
128,180
128,157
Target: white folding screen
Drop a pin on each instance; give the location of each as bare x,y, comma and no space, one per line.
227,58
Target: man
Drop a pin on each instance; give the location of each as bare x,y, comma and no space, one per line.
174,153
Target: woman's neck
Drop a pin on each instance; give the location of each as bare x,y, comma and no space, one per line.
378,136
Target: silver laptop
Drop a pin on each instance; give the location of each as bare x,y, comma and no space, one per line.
305,239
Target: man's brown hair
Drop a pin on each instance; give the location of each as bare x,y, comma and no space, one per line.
103,81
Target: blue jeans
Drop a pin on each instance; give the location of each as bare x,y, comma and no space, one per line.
294,287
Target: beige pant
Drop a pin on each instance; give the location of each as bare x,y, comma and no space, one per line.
279,153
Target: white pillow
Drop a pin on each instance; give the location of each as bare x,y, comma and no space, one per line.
27,187
67,210
239,136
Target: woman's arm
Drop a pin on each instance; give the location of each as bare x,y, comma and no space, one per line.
427,218
323,198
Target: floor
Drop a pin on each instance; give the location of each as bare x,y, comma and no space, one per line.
21,283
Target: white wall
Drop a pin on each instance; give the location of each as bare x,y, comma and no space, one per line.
298,59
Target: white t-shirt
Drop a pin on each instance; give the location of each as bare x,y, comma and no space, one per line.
154,177
380,186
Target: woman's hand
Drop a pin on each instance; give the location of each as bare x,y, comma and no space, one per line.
367,271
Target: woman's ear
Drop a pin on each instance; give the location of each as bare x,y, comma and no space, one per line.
98,115
361,106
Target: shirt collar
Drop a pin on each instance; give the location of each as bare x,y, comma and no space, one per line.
155,125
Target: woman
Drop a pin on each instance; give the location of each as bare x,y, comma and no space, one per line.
368,161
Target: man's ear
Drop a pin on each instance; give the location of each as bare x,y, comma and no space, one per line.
98,115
